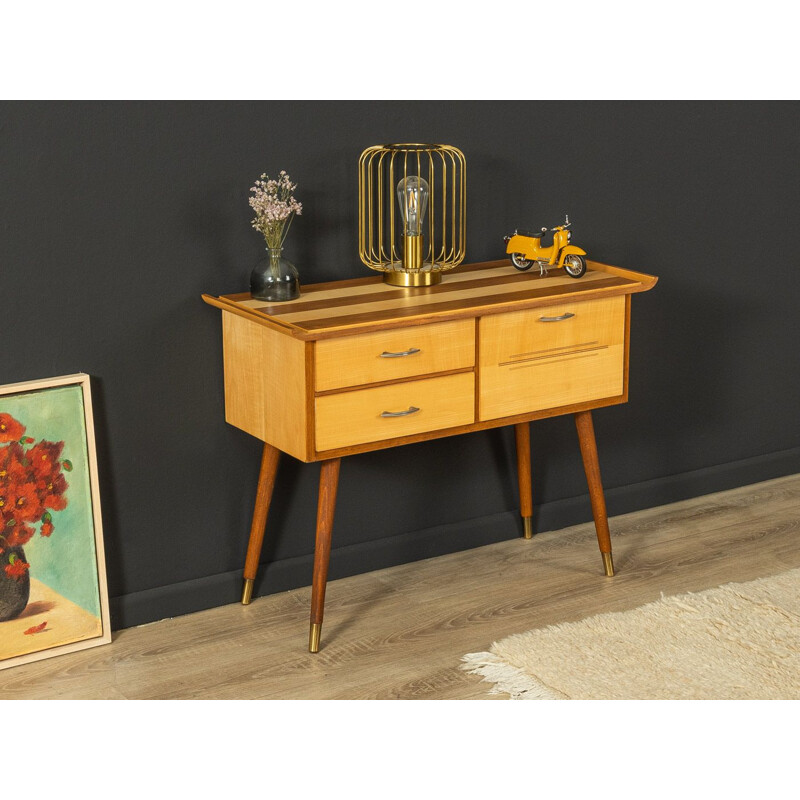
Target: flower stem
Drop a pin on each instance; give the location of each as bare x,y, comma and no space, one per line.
286,228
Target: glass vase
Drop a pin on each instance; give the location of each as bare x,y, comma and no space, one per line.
274,279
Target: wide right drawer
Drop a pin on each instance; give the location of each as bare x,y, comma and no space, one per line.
549,357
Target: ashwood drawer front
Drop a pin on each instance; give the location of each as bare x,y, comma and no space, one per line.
401,409
550,357
392,354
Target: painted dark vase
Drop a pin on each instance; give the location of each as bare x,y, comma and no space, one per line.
14,591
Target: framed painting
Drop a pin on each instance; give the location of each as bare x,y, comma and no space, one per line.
53,592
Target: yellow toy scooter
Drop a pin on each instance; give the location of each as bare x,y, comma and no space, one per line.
526,250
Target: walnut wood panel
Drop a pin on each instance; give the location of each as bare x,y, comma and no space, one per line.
265,384
366,304
356,360
353,418
545,358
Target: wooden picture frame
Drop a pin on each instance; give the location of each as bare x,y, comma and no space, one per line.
51,533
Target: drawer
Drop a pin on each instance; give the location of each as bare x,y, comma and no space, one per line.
355,417
393,354
549,357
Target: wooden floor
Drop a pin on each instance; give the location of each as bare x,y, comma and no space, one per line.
400,632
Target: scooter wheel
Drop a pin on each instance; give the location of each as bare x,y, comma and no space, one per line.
520,262
575,265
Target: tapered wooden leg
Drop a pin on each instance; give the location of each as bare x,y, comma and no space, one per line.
591,465
522,433
328,484
266,482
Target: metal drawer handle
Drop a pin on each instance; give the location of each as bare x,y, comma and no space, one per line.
409,352
556,319
411,410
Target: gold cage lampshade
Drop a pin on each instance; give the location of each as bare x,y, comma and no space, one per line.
412,211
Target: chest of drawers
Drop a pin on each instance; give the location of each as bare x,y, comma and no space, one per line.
359,365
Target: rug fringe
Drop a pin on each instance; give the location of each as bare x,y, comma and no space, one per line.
507,679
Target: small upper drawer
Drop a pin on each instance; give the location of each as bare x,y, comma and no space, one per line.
392,354
544,334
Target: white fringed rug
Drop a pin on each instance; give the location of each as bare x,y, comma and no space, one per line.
740,641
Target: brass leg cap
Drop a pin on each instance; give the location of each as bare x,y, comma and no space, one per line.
527,527
608,564
247,591
313,637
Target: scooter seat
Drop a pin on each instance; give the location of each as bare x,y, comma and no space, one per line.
532,234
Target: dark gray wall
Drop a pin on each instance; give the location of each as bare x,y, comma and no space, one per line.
115,217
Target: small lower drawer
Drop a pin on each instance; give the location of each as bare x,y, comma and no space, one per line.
387,412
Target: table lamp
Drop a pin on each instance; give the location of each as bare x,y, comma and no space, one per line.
411,211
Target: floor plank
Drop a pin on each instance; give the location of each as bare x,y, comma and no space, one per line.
399,633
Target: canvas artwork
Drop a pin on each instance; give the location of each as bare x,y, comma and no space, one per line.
53,594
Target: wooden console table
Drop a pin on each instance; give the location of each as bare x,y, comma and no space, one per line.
359,365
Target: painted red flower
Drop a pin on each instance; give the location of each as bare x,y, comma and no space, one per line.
51,493
18,535
13,464
43,459
16,568
10,429
46,529
24,503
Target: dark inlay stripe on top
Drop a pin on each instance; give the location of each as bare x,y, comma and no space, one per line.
453,305
375,278
392,293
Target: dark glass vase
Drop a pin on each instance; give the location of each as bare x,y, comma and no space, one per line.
15,590
274,279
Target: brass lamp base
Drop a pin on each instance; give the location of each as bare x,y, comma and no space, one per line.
412,279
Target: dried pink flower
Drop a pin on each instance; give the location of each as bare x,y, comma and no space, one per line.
274,206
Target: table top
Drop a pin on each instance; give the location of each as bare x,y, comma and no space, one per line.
366,304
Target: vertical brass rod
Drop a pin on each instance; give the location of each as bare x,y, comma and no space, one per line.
405,205
453,206
370,225
463,219
443,251
381,202
431,200
361,206
421,258
392,258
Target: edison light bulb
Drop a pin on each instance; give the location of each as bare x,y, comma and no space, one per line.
412,194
